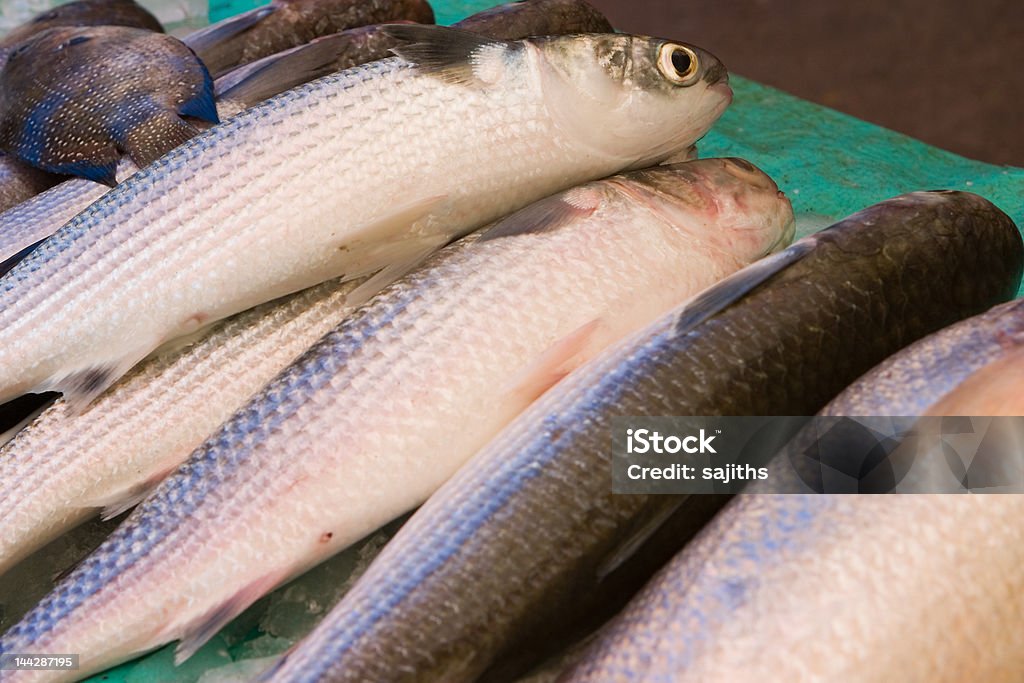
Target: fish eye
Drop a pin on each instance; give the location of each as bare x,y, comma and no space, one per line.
678,63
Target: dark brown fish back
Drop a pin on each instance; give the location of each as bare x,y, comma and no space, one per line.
536,18
288,23
75,99
85,13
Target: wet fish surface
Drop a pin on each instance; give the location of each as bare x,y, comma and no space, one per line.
206,231
64,468
534,509
536,18
359,429
107,89
82,13
284,24
248,85
847,587
917,376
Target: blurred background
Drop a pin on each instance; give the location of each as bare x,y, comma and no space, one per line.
948,72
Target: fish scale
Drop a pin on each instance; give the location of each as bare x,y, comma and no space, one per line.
203,232
63,466
534,509
354,433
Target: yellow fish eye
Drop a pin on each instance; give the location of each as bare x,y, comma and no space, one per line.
678,63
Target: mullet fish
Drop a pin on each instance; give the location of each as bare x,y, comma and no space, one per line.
534,509
283,24
374,417
246,86
303,188
849,587
63,468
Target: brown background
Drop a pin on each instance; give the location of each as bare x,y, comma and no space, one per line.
947,72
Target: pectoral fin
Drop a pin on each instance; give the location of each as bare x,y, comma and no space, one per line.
453,55
559,360
205,627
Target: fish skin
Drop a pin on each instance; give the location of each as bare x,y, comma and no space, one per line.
81,309
992,390
916,377
19,182
82,13
735,606
454,338
107,89
287,23
63,467
803,587
249,85
536,18
530,521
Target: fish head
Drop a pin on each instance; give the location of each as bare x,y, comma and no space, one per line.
636,99
730,202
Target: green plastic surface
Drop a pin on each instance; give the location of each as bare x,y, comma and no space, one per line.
829,164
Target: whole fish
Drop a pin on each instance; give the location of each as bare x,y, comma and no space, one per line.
303,188
283,24
524,534
63,468
106,89
248,85
369,421
19,182
844,587
82,13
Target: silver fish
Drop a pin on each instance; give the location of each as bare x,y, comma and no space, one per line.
304,188
246,86
63,468
375,416
527,534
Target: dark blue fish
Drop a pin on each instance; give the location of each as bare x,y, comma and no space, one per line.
74,100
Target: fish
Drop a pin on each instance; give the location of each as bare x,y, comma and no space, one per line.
63,469
518,541
374,416
19,182
248,85
37,217
992,390
107,89
515,20
284,24
809,587
916,377
82,13
241,214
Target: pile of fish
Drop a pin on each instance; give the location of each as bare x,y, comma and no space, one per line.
325,263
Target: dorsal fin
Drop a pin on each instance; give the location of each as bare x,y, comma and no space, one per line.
211,43
451,54
725,293
546,215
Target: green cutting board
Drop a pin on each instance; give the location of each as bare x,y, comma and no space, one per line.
828,163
